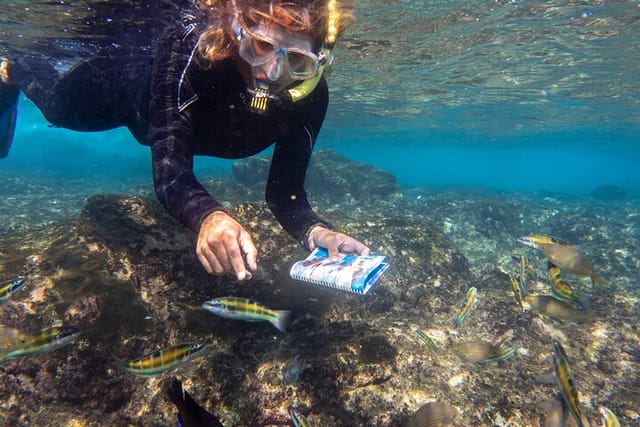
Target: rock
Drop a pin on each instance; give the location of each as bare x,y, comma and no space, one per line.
331,179
608,193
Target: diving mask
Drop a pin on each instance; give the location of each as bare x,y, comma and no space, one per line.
274,52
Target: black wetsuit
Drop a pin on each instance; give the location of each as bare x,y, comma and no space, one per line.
180,109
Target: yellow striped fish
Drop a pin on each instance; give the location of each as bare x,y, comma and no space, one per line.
298,419
561,290
248,310
517,291
44,342
565,382
467,308
11,288
609,419
159,361
525,268
427,340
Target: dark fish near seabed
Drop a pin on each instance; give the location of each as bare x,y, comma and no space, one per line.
190,414
433,414
563,255
159,361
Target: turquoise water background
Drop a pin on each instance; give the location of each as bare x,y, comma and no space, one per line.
574,162
504,95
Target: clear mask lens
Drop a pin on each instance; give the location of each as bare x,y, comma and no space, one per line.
300,64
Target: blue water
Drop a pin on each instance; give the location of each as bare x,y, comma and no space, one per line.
515,95
573,162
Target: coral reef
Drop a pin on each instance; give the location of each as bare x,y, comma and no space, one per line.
125,272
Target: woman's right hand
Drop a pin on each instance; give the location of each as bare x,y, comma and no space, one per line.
224,245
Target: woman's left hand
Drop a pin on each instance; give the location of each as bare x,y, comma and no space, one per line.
335,242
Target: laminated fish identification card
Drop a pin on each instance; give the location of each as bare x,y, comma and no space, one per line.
351,273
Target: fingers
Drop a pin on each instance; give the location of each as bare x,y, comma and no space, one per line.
250,251
222,246
336,242
209,260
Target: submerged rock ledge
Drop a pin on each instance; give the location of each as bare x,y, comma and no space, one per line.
126,273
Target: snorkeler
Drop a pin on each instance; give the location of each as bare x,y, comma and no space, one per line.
230,79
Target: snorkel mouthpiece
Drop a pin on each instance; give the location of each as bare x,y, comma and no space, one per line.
261,98
259,101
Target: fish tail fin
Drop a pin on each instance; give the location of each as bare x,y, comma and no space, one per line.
121,365
596,279
458,322
281,320
584,301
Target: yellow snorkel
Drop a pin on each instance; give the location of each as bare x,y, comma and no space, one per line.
300,91
261,96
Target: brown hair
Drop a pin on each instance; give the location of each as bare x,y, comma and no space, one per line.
316,17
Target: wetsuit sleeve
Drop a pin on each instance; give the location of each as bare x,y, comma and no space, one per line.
285,193
170,136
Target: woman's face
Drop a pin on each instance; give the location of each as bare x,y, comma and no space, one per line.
278,57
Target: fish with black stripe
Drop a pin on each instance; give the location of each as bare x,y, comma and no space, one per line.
248,310
159,361
565,382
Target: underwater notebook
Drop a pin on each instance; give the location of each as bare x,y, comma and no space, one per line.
351,273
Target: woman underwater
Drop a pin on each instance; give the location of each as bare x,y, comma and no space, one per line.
226,79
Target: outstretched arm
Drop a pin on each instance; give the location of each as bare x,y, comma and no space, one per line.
286,196
222,243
